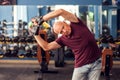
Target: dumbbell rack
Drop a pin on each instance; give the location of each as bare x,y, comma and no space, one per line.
16,44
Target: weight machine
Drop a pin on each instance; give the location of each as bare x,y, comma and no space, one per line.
43,58
107,53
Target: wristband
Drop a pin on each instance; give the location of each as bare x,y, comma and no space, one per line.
39,20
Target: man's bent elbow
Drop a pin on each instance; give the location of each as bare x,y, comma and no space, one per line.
60,11
50,48
46,49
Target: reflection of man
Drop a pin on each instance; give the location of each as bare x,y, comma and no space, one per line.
5,2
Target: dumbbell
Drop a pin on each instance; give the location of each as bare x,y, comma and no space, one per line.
6,50
14,51
29,39
2,38
1,53
50,37
34,50
21,23
110,38
28,51
15,39
7,53
21,52
8,39
34,41
69,53
103,39
22,39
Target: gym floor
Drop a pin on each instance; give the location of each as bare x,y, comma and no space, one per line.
27,70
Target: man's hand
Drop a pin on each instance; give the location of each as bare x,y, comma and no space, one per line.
35,24
37,20
33,30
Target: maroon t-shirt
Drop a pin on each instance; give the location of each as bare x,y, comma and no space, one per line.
82,43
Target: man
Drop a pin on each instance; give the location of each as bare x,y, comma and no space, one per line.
77,36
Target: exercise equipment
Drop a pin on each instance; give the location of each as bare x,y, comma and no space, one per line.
116,52
29,39
15,39
22,39
21,51
2,38
1,52
107,52
110,39
6,50
105,30
69,53
106,38
18,44
8,39
43,56
28,51
59,57
34,51
107,62
103,39
50,36
14,51
20,23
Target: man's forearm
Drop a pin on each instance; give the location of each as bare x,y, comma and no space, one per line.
53,14
61,12
45,45
41,42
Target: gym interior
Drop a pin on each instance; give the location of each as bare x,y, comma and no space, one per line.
20,55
